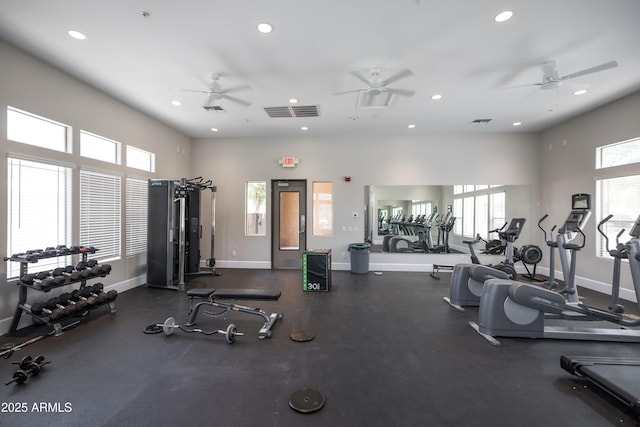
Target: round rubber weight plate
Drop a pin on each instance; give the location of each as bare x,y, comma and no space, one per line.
301,335
306,400
152,329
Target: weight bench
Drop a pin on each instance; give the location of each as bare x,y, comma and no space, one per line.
216,298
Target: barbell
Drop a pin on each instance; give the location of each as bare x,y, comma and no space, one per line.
230,333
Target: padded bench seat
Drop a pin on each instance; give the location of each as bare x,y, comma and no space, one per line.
237,294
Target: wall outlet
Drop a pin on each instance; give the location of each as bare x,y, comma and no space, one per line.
234,253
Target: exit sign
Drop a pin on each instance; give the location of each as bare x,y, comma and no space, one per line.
288,162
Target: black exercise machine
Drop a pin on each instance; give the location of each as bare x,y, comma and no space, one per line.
221,298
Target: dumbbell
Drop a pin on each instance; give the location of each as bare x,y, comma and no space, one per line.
28,367
44,307
93,295
33,254
101,296
62,250
40,280
67,299
68,271
105,269
88,268
87,249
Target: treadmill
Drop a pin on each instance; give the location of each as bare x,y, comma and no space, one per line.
617,376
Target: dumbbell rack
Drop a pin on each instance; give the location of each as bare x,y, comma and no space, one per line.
22,307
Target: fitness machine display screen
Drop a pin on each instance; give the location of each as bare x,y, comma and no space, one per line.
581,201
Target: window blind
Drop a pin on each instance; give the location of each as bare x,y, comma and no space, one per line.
100,219
136,216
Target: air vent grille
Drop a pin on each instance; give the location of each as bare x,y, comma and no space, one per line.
216,108
292,111
481,121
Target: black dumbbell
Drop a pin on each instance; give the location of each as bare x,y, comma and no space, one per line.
67,299
87,294
33,254
44,308
40,280
68,271
28,367
62,250
57,277
88,268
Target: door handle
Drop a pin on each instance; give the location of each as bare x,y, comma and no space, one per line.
303,223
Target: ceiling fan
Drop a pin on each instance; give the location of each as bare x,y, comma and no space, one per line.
216,93
376,85
551,78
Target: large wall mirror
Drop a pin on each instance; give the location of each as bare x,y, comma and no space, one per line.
438,218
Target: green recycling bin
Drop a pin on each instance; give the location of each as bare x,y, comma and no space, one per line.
360,257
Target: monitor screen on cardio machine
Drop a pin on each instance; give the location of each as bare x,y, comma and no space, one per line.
579,215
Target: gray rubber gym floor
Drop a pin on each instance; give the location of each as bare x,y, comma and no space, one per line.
388,351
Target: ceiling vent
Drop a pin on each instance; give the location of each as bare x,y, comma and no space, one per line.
293,111
480,121
215,108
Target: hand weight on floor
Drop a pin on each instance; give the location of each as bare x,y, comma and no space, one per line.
28,367
230,333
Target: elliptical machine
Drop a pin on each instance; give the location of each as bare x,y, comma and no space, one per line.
514,309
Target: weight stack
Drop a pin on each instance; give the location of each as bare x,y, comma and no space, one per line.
316,270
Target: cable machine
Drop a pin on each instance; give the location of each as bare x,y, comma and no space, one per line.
175,229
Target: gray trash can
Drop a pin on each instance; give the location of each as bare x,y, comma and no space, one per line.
360,257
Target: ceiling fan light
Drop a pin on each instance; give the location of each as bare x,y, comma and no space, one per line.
265,27
76,35
503,16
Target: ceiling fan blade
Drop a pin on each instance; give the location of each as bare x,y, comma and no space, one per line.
601,67
348,91
237,100
397,76
195,91
360,77
237,88
402,92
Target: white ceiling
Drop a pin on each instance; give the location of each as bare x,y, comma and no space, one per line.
453,48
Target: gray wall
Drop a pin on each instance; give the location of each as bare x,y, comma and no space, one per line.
567,154
433,160
33,86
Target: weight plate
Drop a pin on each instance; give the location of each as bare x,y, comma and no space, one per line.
152,329
230,335
169,326
301,335
306,400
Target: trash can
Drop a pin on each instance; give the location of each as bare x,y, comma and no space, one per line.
360,257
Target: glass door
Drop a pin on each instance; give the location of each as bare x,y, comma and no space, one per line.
289,237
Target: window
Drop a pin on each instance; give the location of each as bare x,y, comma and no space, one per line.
617,197
322,208
617,193
99,148
30,129
100,213
136,216
481,207
256,208
39,211
140,159
618,154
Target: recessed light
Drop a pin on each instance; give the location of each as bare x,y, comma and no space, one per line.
304,128
77,35
265,27
436,97
214,129
580,92
176,103
517,123
503,16
293,101
411,126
